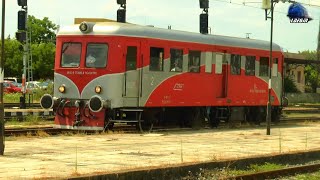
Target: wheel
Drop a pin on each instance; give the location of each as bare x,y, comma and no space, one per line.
197,117
147,124
275,114
214,121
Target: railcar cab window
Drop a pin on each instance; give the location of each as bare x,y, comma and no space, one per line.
250,65
71,54
176,60
96,56
264,64
235,64
194,61
156,59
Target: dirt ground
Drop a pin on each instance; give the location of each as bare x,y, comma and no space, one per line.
64,156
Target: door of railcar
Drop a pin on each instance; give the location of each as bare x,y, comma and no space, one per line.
222,70
132,74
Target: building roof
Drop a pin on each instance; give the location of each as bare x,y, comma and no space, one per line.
294,58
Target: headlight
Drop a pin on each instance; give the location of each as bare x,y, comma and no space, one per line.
83,27
62,88
98,89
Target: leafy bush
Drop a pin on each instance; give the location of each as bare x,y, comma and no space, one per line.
290,86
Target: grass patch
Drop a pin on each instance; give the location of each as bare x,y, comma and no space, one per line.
227,172
28,120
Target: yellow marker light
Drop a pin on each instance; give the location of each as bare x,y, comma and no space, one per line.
98,89
62,88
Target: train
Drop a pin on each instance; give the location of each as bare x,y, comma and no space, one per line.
146,76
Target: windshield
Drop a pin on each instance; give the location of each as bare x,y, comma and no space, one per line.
71,53
96,55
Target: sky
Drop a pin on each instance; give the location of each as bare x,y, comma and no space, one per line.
226,17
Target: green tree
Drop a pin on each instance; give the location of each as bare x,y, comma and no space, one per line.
312,76
43,60
13,58
42,31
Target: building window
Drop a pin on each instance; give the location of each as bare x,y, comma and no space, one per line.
299,77
250,65
235,64
194,61
176,60
156,59
264,64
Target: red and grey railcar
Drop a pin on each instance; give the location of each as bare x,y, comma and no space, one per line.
108,72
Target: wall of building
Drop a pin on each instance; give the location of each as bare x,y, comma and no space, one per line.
294,98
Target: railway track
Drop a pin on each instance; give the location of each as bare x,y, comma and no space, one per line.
39,131
124,128
280,173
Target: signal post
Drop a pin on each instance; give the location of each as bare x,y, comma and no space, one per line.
22,36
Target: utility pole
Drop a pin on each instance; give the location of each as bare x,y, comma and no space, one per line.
2,145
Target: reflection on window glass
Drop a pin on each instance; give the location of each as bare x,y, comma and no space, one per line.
176,59
250,65
96,55
235,64
71,53
194,61
264,64
156,59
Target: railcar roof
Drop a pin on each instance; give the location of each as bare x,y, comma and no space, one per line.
132,30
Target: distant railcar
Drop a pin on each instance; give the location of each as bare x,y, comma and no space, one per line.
109,72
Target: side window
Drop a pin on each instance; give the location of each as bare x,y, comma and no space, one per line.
275,67
176,60
219,60
250,65
264,64
70,55
156,59
208,62
194,61
235,64
96,55
131,58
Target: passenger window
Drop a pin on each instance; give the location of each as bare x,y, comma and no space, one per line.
264,64
219,58
156,59
235,64
96,55
208,62
176,60
71,53
131,58
250,65
194,61
275,67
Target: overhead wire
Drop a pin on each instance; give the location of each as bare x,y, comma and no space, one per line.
244,3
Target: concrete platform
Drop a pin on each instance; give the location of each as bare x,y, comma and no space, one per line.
65,156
